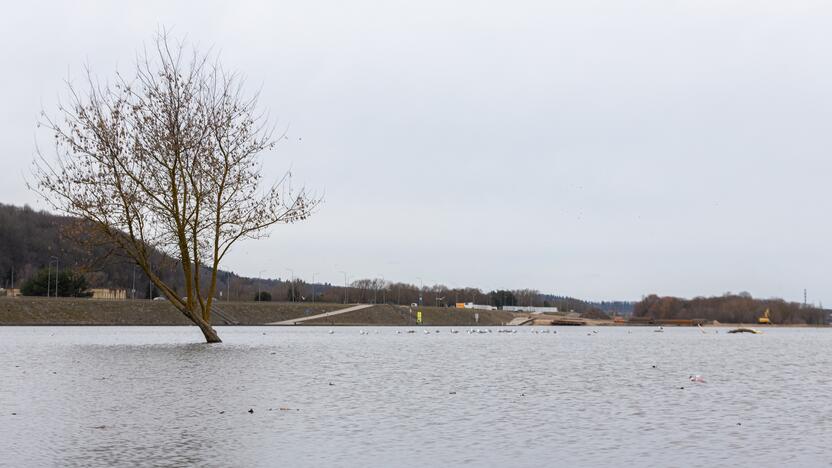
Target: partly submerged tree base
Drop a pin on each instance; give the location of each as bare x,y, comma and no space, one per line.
210,334
208,331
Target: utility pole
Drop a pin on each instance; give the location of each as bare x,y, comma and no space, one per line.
227,287
134,282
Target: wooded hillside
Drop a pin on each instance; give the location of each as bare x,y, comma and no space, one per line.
740,308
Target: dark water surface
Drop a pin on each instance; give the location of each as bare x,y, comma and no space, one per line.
152,396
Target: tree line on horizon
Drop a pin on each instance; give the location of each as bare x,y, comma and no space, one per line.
729,308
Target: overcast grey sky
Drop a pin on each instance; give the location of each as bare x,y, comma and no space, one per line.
602,149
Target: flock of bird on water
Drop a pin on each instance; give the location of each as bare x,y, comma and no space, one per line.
472,331
475,331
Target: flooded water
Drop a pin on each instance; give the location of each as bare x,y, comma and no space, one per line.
152,396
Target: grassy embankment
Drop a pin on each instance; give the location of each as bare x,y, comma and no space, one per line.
70,311
404,316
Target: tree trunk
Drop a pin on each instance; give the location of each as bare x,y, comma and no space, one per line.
209,332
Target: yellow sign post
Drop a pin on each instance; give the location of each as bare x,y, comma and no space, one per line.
419,317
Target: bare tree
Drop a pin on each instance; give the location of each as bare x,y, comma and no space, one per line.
168,159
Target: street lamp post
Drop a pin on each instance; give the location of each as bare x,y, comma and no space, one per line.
313,287
57,271
134,282
149,280
345,286
259,281
292,282
49,275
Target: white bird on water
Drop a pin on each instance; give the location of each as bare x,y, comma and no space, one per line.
697,379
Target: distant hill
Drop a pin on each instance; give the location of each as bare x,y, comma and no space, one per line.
30,240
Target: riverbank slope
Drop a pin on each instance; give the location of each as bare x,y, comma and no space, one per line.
73,311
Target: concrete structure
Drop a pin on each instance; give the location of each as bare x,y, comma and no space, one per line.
471,305
518,321
9,292
533,310
109,294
